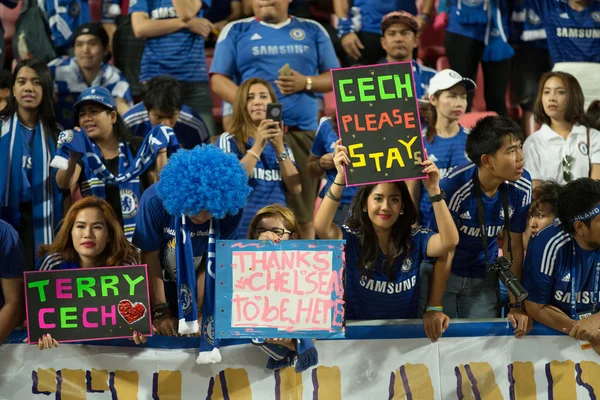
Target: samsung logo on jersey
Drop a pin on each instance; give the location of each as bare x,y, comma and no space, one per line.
492,231
578,33
268,175
171,232
278,50
164,12
388,287
582,297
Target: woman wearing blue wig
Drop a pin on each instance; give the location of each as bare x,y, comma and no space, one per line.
198,199
29,198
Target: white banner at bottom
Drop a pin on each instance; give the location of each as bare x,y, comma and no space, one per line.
542,367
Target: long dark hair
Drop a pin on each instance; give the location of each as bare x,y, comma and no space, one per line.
46,112
400,239
575,113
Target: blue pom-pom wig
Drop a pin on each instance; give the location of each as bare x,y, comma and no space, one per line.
203,179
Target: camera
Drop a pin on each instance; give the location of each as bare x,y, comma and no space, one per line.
502,266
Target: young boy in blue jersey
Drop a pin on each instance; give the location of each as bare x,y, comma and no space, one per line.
485,197
261,47
400,37
89,67
562,266
12,301
162,104
361,40
175,32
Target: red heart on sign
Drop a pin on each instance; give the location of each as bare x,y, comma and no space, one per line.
132,312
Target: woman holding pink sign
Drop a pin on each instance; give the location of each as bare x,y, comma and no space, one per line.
383,251
90,236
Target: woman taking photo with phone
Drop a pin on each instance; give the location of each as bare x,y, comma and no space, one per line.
258,142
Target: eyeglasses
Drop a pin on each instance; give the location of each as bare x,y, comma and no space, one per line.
278,231
566,167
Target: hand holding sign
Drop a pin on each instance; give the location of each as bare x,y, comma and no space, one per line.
340,160
432,182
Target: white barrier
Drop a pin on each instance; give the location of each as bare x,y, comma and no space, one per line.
477,367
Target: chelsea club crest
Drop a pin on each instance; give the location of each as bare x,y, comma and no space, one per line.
407,265
129,203
185,297
65,136
208,330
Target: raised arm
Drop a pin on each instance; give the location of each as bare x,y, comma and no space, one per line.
144,27
323,223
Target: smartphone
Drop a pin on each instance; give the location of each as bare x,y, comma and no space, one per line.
274,111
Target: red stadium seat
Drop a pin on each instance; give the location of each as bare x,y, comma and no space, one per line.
470,119
9,19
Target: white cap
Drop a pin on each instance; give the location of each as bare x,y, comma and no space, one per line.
447,78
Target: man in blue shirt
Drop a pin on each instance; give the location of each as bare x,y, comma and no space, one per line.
175,32
73,75
261,47
12,301
162,104
495,147
562,266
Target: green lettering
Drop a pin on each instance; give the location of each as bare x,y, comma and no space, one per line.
64,318
406,85
109,282
132,283
345,98
363,86
40,287
86,285
382,94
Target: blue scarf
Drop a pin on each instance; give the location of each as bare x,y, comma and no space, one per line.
187,307
46,196
305,356
209,344
130,168
489,13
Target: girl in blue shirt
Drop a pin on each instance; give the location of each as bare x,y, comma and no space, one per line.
383,251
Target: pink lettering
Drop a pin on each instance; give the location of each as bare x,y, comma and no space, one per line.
86,323
42,322
245,311
250,284
237,301
335,283
62,285
302,258
309,280
288,260
338,311
273,261
326,266
268,311
308,310
106,315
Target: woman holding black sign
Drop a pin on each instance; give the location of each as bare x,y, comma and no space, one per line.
383,251
90,236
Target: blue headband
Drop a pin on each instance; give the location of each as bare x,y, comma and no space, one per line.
587,215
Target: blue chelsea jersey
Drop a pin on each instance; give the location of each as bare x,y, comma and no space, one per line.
251,48
469,259
553,257
372,11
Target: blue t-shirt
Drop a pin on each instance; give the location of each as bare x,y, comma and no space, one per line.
469,259
375,296
69,84
250,48
475,31
547,271
447,153
179,54
372,11
155,230
325,143
572,35
11,254
56,261
190,128
266,182
219,10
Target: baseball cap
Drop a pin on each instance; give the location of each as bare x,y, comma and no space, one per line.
97,94
92,28
399,17
447,78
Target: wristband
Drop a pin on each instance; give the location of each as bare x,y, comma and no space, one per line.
161,313
161,306
425,18
344,27
332,196
338,184
253,153
434,308
517,305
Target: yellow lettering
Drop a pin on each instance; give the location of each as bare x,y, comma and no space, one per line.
99,379
479,377
524,381
169,385
376,157
236,383
394,154
418,380
563,379
418,158
46,380
73,384
329,383
362,162
589,372
290,384
408,145
126,384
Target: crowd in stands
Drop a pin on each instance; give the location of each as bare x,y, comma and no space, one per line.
124,135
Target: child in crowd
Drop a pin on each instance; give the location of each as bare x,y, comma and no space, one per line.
544,208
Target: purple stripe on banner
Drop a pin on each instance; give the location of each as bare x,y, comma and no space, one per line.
550,382
34,387
315,380
277,385
473,381
392,383
224,385
405,383
59,381
211,387
155,386
459,392
580,382
111,385
511,381
88,383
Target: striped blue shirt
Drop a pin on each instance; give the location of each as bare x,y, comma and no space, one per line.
69,84
266,182
372,11
190,128
179,54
